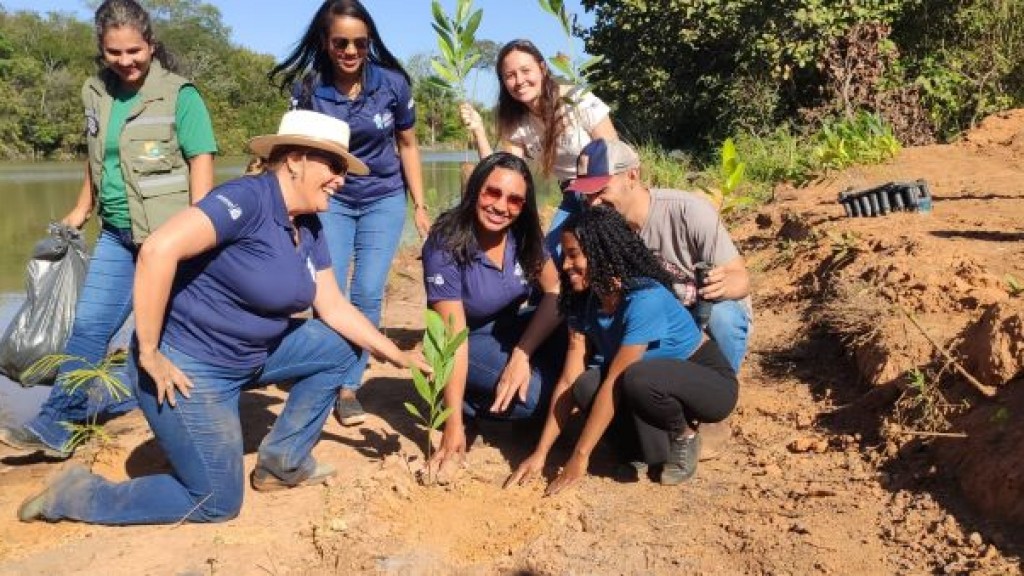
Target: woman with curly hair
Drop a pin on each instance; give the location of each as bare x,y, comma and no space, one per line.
659,376
481,262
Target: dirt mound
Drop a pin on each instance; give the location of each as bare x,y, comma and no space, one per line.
918,299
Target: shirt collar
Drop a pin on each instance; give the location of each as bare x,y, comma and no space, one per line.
510,252
372,80
273,187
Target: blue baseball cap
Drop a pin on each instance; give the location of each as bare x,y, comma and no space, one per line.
599,161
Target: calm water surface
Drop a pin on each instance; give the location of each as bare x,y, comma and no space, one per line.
33,194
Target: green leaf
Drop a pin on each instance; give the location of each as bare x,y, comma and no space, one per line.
440,18
454,343
735,179
562,64
441,417
471,27
444,72
419,380
412,409
461,7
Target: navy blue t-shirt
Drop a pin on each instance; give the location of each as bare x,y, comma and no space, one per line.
229,305
485,290
648,314
384,107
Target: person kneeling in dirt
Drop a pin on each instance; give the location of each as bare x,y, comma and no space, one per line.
215,291
481,262
682,229
658,376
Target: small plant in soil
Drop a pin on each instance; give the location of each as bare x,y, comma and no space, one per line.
73,380
727,186
1014,286
922,406
440,342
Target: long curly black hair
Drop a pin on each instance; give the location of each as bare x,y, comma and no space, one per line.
309,61
617,259
455,230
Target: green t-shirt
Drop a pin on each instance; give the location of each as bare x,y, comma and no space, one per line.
195,136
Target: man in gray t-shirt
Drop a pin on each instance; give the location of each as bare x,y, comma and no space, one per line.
682,229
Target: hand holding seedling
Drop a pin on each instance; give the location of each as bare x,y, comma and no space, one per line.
166,377
514,381
470,117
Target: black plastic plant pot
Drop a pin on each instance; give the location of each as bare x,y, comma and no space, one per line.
876,209
865,206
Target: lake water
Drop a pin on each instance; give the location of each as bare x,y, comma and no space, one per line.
33,194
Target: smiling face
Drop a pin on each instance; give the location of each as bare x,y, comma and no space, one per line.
574,262
501,199
318,176
523,77
347,43
127,54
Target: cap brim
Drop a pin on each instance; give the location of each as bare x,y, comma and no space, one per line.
590,185
263,145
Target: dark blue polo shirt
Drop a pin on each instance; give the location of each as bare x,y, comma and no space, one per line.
383,107
230,305
647,314
486,291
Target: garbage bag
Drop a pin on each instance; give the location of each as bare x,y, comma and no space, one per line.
42,325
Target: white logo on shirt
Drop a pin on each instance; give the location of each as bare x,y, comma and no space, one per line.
383,120
518,271
412,103
233,209
311,268
436,280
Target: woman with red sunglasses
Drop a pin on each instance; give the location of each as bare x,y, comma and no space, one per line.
342,68
481,262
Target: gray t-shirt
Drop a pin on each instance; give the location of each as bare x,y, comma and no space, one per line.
682,229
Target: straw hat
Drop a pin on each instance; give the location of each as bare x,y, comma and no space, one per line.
312,130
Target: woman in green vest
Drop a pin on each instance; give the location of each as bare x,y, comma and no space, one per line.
151,148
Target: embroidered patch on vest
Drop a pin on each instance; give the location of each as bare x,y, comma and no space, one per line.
92,123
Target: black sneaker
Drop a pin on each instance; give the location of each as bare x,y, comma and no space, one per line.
349,411
25,441
683,452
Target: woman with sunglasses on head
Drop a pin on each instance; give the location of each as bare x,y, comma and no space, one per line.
151,146
659,375
216,292
342,68
541,120
480,263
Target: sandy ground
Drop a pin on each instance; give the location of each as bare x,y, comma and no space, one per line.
813,479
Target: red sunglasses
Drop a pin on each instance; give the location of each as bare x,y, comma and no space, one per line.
514,203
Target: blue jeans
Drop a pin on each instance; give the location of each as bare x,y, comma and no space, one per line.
103,306
202,435
366,234
729,325
490,346
571,204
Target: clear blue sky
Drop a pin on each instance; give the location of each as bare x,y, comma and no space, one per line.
273,26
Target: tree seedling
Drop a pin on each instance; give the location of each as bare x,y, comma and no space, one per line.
726,189
439,347
73,380
456,38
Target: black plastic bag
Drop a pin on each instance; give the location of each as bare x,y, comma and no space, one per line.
43,323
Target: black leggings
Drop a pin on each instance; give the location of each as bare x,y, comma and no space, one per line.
656,399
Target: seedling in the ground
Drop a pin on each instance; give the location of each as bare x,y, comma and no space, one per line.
439,347
73,380
1014,286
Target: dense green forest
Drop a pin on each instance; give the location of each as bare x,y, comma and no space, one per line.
678,73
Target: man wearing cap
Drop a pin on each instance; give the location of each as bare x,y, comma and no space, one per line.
682,229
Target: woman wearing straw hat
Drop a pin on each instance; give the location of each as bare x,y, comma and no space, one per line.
215,292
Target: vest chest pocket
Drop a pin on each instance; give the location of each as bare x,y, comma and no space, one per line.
149,147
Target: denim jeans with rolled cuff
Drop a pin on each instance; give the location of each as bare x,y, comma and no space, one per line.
202,435
366,235
103,306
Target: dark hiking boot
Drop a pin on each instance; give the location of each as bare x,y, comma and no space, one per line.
349,411
683,452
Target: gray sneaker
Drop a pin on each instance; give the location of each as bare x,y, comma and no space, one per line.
26,442
683,452
349,411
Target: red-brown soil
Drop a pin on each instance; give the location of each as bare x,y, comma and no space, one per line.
836,463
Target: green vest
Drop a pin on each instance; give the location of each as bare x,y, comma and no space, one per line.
154,169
